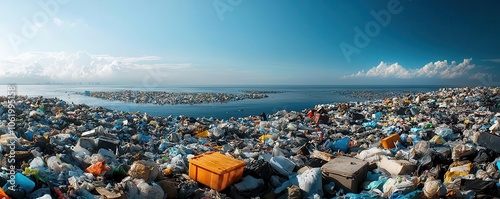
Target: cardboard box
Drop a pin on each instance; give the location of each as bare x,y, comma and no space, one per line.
397,167
216,170
322,155
320,119
346,172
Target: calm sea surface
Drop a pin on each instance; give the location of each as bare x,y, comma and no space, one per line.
295,98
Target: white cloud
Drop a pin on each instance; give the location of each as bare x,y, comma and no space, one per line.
81,65
158,66
58,21
79,23
438,69
384,70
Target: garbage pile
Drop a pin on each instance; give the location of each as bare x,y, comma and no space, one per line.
162,98
369,94
442,144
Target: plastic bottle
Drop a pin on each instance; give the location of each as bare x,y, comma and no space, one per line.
24,183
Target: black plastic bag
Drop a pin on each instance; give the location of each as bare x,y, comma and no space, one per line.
482,188
315,162
484,156
257,192
261,169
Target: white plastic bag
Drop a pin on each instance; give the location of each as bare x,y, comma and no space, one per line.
149,191
310,182
282,165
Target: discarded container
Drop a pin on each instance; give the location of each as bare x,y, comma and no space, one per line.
489,141
87,143
320,119
22,181
282,165
216,170
397,167
388,142
108,143
3,195
346,172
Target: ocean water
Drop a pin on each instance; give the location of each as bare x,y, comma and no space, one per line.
292,98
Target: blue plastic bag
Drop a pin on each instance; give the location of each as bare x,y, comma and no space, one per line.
341,144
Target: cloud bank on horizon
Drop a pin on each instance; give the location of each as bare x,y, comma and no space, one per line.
83,66
439,69
80,66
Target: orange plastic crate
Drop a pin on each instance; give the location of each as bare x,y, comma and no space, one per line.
388,142
216,170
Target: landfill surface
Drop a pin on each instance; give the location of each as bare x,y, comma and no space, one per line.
441,144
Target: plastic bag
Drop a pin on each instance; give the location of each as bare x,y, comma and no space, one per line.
97,169
371,124
282,165
249,183
433,188
457,171
422,148
437,140
310,182
150,191
294,192
340,144
399,184
444,132
369,153
261,169
145,170
462,150
379,184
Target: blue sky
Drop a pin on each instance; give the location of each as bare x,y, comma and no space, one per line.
251,42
